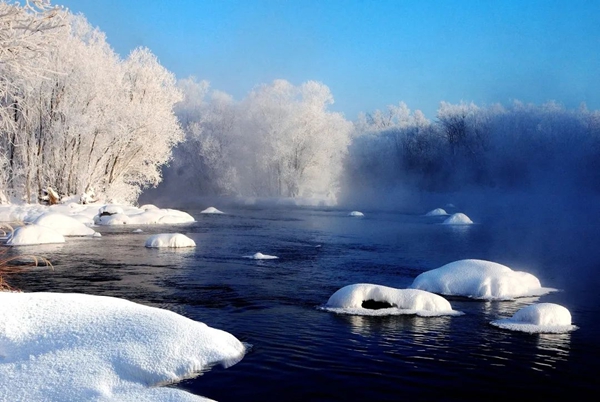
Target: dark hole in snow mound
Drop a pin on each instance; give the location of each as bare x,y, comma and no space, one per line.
375,305
106,214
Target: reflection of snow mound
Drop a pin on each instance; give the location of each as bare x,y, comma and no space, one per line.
458,219
261,256
34,234
63,224
211,210
137,231
436,212
479,279
356,213
539,318
173,240
78,347
351,299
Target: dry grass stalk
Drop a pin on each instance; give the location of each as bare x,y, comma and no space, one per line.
6,266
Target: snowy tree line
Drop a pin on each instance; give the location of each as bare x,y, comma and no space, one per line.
74,116
517,147
77,118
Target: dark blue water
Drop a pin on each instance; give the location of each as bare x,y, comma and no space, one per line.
301,353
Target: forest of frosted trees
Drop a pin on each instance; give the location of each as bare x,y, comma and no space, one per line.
78,118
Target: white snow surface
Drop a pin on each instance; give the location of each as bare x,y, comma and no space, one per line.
91,213
211,210
76,347
480,279
437,212
173,240
261,256
539,318
349,299
458,219
64,224
356,213
34,234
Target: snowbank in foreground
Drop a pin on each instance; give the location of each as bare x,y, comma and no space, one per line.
356,213
479,279
211,210
437,212
59,347
64,224
173,240
34,234
351,300
261,256
458,219
539,318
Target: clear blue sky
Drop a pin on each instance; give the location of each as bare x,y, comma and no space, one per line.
371,53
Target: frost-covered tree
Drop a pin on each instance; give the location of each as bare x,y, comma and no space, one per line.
92,122
280,141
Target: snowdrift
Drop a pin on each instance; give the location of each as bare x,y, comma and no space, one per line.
34,234
539,318
479,279
352,299
173,240
261,256
437,212
59,347
458,219
211,210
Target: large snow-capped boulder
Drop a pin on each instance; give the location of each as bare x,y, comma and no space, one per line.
34,234
355,299
211,210
539,318
173,240
458,219
75,347
437,212
261,256
64,224
479,279
111,219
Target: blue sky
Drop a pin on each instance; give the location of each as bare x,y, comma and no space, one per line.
371,53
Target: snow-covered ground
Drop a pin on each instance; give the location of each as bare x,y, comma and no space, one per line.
480,279
539,318
100,214
350,299
172,240
75,347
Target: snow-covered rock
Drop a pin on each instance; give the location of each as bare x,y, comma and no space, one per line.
356,213
114,219
34,234
539,318
174,240
437,212
138,231
479,279
110,209
352,299
75,347
211,210
261,256
458,219
64,224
